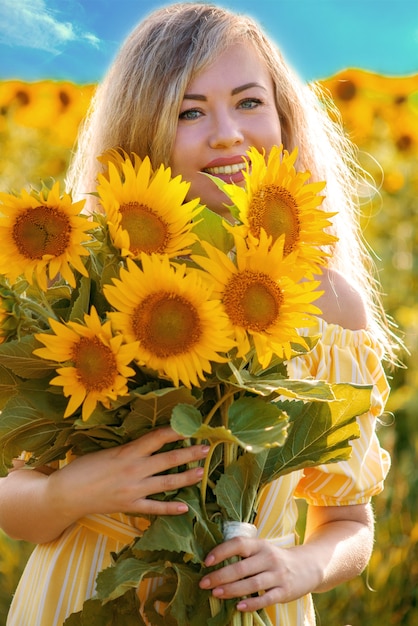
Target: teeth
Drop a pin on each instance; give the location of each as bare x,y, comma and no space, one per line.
226,169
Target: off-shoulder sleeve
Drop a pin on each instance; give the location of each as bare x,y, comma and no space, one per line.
347,356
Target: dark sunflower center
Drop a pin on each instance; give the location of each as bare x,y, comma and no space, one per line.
166,324
147,231
42,230
275,209
95,364
252,300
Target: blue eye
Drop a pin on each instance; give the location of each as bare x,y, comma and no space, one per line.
250,103
190,114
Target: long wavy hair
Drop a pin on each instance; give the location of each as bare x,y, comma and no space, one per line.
137,105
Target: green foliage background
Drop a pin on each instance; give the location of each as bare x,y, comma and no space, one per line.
38,123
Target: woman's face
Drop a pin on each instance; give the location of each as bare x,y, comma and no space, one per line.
227,108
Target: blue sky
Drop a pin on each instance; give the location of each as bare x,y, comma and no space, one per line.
76,39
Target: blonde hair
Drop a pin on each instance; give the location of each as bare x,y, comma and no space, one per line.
137,106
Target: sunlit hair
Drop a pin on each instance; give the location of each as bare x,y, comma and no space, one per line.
138,104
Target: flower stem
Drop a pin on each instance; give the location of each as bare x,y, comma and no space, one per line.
248,619
230,449
205,477
43,310
258,620
242,619
215,605
218,404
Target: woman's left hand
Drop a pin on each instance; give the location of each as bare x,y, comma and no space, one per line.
280,574
337,547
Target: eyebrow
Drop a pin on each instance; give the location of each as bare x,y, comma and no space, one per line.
234,92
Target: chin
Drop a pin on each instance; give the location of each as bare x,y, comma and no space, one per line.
222,211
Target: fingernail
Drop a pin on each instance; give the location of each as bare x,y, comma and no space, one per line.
205,583
200,471
218,592
209,560
241,606
205,449
182,508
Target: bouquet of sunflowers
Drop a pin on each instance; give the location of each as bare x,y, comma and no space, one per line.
155,311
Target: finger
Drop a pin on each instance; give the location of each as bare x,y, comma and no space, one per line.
255,603
154,440
232,573
172,482
243,587
156,507
239,546
164,461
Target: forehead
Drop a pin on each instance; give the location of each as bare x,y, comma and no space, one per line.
235,65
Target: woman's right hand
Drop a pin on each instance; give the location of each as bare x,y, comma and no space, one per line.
121,478
38,506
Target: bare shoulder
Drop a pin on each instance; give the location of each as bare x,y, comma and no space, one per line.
341,303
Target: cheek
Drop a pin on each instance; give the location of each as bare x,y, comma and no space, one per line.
269,129
176,153
274,131
174,164
182,158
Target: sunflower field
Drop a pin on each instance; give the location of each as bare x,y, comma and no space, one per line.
38,127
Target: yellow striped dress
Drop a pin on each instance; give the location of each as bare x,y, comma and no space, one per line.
61,574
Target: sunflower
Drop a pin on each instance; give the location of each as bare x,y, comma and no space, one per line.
279,200
145,210
169,311
97,367
261,295
42,234
117,156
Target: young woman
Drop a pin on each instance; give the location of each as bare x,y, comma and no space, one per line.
194,87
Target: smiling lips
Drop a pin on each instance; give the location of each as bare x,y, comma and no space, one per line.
228,169
225,169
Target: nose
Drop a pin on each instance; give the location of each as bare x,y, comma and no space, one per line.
225,131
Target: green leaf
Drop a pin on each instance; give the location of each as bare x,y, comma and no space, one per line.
253,424
56,449
164,593
319,433
154,409
190,604
180,590
17,357
81,304
37,395
317,390
8,385
257,424
57,292
236,490
127,574
190,533
123,611
96,439
27,434
277,384
209,227
30,421
187,421
111,269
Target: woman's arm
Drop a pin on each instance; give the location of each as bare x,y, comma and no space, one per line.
38,507
341,303
343,535
337,548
